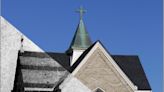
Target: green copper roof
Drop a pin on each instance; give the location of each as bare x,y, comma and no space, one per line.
81,38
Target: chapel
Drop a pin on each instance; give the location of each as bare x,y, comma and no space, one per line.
86,66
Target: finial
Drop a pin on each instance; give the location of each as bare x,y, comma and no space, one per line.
21,49
81,11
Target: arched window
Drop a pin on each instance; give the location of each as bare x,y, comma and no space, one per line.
99,90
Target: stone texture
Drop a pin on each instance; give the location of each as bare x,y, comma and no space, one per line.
72,84
98,72
37,76
39,61
10,44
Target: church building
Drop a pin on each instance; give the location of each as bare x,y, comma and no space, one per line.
86,66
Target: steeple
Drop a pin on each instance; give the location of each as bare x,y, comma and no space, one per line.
81,40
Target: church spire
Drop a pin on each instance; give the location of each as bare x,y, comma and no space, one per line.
81,11
81,38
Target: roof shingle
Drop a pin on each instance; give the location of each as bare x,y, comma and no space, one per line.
46,62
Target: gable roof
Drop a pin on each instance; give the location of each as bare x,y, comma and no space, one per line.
129,64
41,70
132,67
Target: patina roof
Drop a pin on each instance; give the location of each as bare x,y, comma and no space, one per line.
81,39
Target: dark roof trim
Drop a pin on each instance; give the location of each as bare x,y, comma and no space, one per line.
81,58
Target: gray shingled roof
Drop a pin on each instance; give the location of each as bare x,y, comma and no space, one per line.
39,69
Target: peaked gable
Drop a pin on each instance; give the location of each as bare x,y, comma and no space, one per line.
130,65
98,61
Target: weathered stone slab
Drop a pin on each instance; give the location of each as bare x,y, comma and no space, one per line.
72,84
10,39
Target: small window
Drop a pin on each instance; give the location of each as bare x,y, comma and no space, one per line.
99,90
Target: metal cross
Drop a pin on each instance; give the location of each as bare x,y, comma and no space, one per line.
81,11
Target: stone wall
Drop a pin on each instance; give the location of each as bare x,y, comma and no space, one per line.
10,44
98,72
72,84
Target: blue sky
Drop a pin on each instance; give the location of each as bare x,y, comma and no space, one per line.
123,26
